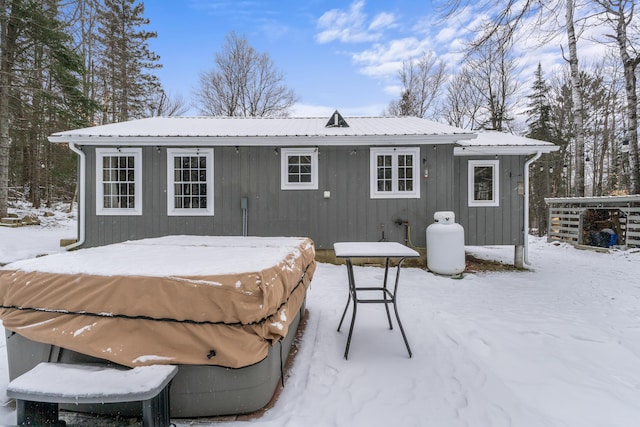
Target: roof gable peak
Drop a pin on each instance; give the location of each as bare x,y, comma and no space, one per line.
336,121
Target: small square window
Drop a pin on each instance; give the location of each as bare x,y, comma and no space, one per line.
299,169
483,183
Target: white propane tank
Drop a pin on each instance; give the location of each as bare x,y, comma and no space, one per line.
445,245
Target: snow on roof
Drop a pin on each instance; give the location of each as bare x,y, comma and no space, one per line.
631,199
259,130
493,142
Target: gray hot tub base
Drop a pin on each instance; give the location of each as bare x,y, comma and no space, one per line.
196,391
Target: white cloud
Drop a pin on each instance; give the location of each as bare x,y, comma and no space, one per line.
385,59
349,26
381,21
446,35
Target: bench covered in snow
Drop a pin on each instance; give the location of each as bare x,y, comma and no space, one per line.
39,391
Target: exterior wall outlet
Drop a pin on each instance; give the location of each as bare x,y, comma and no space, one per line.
327,194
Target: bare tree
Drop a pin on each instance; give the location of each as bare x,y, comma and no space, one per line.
244,83
165,105
422,82
511,15
463,104
619,16
492,73
578,110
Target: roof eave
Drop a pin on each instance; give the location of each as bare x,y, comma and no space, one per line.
249,141
497,150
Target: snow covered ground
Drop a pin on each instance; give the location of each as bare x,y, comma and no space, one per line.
558,345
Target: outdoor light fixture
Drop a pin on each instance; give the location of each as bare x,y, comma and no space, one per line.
275,151
237,149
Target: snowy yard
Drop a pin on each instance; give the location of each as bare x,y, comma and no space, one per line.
555,346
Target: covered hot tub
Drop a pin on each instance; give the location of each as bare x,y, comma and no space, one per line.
225,309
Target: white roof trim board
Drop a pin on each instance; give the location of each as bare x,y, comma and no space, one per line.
291,131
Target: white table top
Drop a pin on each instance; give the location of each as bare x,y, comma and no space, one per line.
373,249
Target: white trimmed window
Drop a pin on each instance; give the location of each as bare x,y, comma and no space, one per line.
395,173
484,182
118,181
299,169
189,181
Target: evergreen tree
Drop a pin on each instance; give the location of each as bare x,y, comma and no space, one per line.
41,94
125,76
541,128
539,112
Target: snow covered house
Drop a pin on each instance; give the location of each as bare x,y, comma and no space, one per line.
331,179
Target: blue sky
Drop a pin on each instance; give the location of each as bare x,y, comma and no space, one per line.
341,55
334,54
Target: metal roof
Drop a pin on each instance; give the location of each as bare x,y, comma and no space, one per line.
262,131
493,142
300,131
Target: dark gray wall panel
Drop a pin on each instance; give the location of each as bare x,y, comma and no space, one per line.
499,225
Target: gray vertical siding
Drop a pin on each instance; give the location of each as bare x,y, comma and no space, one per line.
349,213
499,225
254,173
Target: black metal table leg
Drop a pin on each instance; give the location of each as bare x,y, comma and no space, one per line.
344,312
384,292
395,308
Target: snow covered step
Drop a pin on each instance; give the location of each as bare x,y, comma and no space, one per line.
39,391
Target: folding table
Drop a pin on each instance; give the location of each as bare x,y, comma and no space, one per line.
388,251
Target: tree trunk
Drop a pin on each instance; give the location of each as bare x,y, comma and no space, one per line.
6,46
578,112
630,66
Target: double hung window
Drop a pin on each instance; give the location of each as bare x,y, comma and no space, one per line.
118,181
189,181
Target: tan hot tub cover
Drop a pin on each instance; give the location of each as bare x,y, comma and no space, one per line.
198,300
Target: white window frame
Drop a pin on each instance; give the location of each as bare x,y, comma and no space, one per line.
172,153
101,153
285,184
495,165
394,152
